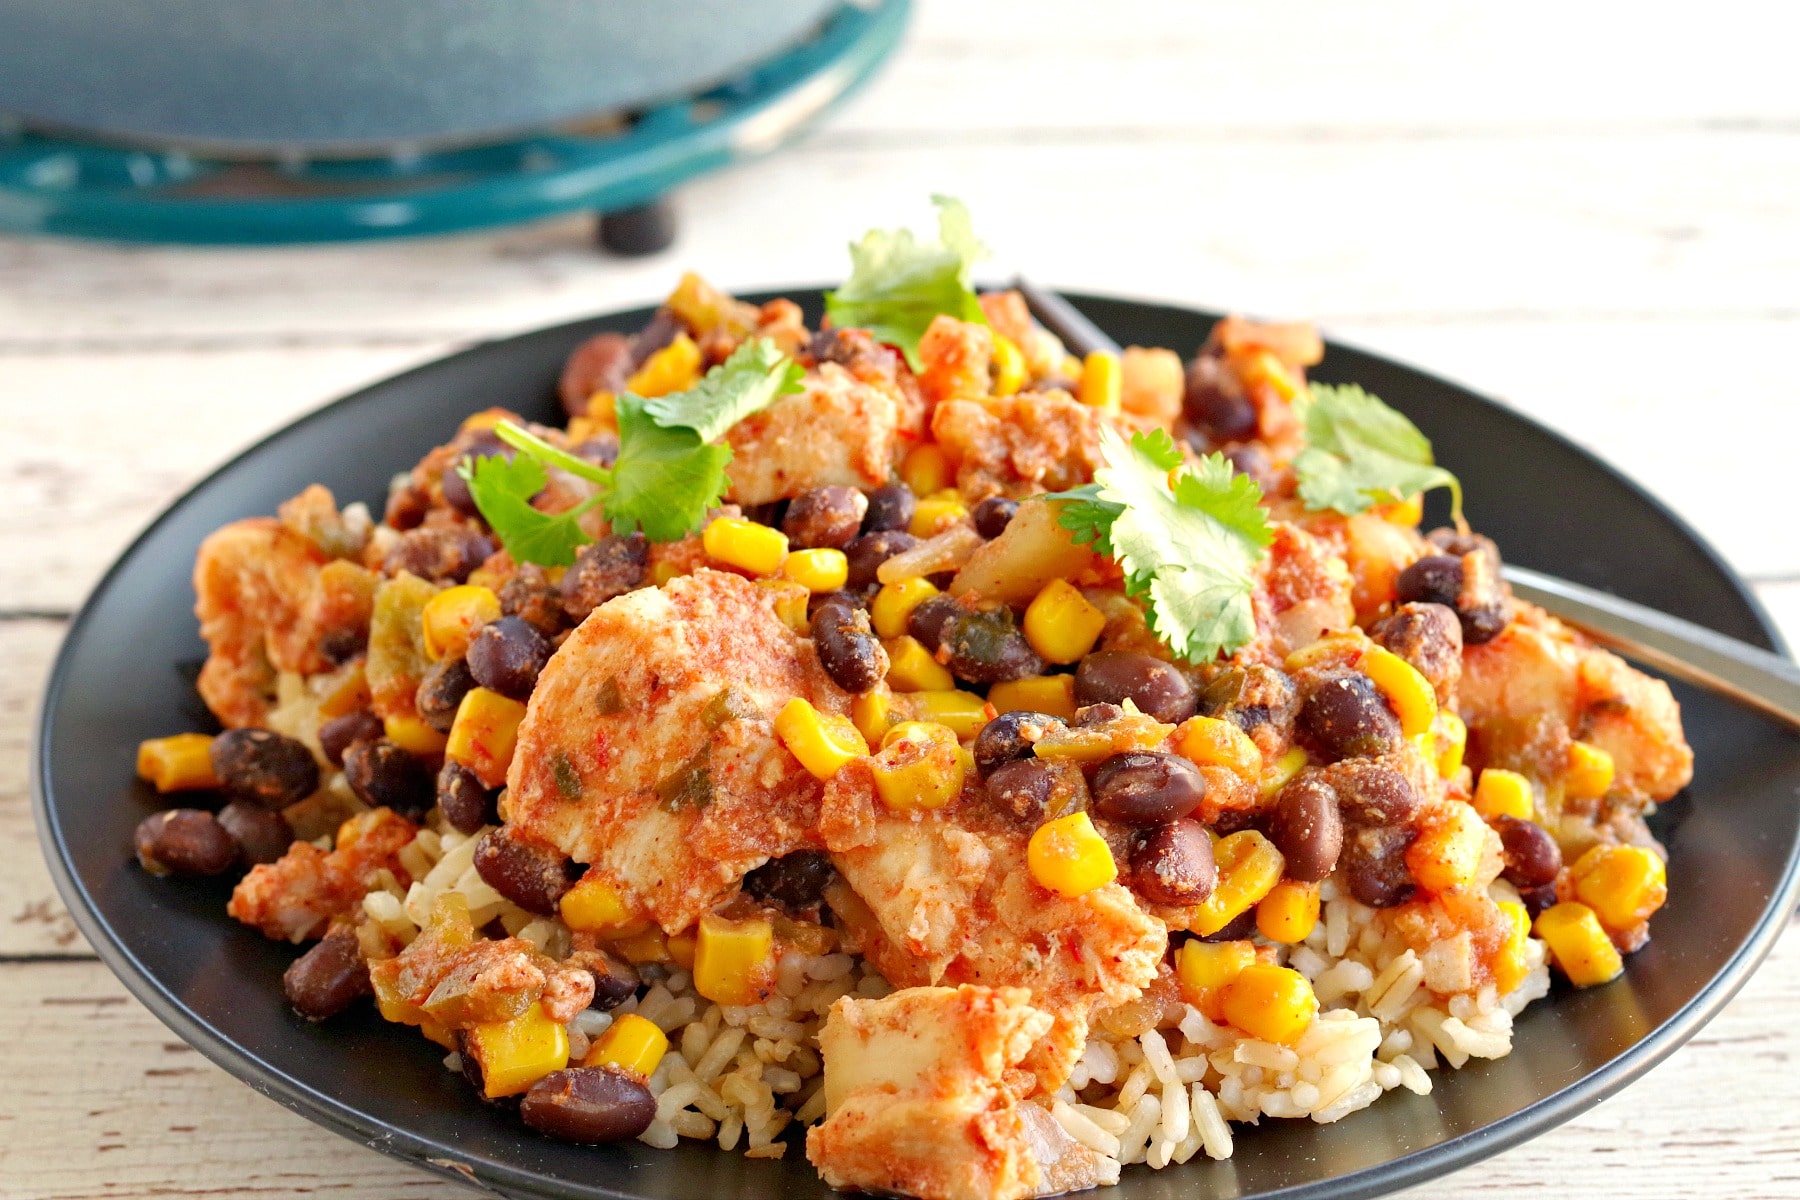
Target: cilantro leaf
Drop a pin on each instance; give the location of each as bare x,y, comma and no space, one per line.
664,480
755,376
502,489
1361,453
898,284
1188,551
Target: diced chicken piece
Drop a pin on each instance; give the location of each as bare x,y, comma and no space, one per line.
922,1099
1031,551
954,902
955,359
1303,591
270,600
299,894
1017,444
839,431
1539,672
648,748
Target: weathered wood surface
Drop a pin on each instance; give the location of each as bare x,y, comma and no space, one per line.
1597,221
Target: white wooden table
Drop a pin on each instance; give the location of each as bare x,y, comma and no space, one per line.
1599,222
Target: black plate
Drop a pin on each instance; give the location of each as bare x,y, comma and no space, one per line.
125,674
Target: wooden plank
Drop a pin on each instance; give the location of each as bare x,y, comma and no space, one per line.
92,470
1630,223
103,1101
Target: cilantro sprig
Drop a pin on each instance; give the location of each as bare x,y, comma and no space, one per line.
668,473
1361,453
898,283
1188,542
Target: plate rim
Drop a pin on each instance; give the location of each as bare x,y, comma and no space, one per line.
449,1162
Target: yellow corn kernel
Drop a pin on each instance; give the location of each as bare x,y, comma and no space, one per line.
487,418
451,618
745,544
1102,382
663,570
1502,793
1211,742
1578,944
1202,968
1289,912
1510,967
1009,366
1264,367
920,766
1249,867
1589,774
413,735
911,668
631,1043
893,605
674,368
871,713
817,570
926,469
1094,743
1273,1003
350,694
1069,856
681,950
1336,649
963,712
516,1054
823,742
734,961
178,762
484,733
648,946
1624,885
937,513
1053,695
600,419
1276,775
790,602
1447,853
595,906
1409,693
1408,512
1060,624
1452,740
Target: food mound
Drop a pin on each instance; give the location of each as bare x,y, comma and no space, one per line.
1004,766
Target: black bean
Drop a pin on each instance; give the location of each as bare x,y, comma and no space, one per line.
1307,829
610,567
329,978
1213,401
1346,716
848,648
441,691
989,647
825,518
264,768
1237,929
506,656
1022,787
1252,460
1434,579
931,618
1481,600
385,775
467,804
184,841
1430,637
1374,865
589,1105
1532,856
890,507
868,552
1372,793
340,733
1173,864
532,876
262,836
993,515
768,513
339,646
406,506
1142,788
530,596
1483,623
440,552
795,881
615,981
1009,737
848,600
1537,899
658,333
602,449
456,489
1089,715
1115,676
600,364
